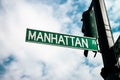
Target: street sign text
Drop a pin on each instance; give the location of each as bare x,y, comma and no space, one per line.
61,39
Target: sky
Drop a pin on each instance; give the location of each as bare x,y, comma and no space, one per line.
20,60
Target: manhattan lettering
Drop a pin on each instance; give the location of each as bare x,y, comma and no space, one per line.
59,39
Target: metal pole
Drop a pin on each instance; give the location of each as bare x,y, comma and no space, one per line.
110,70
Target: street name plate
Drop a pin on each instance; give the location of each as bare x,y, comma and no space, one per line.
63,40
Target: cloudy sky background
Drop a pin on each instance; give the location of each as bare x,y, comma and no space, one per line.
20,60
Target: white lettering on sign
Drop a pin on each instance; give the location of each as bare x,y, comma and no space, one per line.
32,36
66,38
84,42
77,42
46,37
61,39
52,38
40,37
72,39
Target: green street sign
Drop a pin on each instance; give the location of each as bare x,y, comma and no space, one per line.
64,40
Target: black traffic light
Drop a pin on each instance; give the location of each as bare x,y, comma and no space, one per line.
89,27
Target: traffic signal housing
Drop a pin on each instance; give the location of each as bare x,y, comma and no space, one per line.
89,27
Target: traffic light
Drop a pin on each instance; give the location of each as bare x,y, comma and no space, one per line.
89,27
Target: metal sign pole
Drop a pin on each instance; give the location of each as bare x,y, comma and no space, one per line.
110,70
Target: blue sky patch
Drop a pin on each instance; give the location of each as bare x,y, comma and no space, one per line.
116,29
61,1
8,60
2,69
49,2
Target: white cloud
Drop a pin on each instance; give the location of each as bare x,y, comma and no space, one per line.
113,10
17,17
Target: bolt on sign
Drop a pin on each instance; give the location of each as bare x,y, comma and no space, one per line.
64,40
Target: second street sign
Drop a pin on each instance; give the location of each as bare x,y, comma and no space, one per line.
64,40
